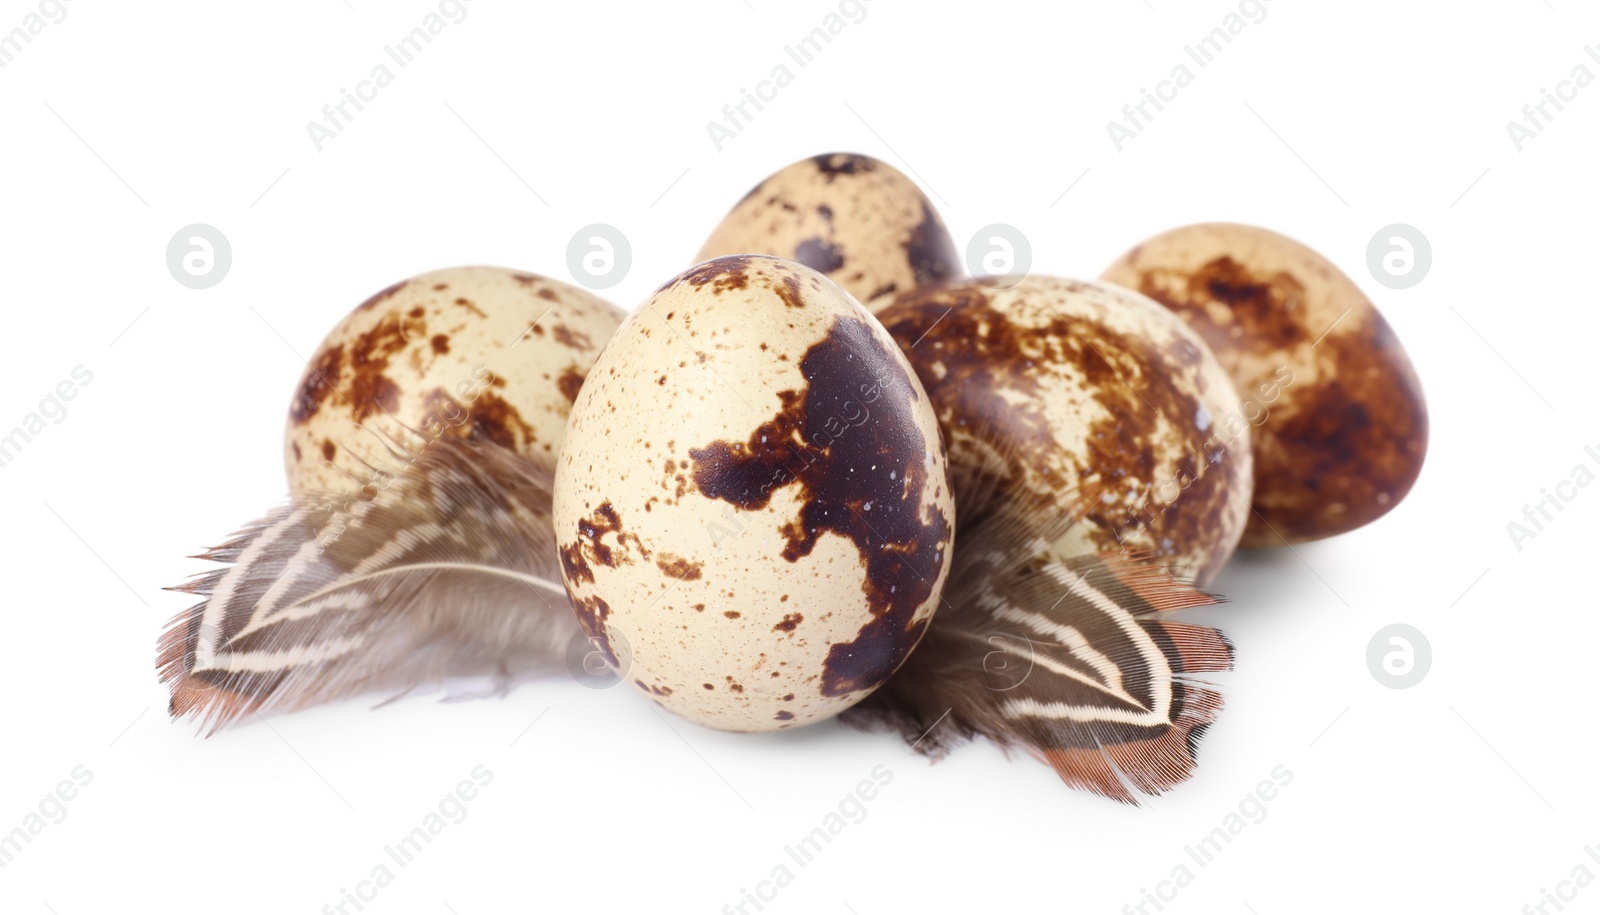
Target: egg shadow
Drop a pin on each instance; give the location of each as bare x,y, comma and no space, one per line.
1261,581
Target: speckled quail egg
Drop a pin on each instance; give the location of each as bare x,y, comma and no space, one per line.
463,351
1341,427
1061,393
751,502
855,218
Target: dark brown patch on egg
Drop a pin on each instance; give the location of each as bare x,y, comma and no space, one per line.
320,380
377,297
570,383
974,362
679,567
856,412
370,390
1232,308
572,339
784,716
440,344
929,250
490,417
819,254
328,449
788,289
788,623
1349,451
723,273
1335,451
592,612
498,421
591,548
469,306
574,567
832,165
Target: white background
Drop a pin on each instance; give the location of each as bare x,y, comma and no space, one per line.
124,122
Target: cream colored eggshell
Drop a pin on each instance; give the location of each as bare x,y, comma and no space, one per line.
856,219
1098,393
751,502
464,350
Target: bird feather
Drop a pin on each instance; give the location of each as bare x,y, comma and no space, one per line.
444,570
1070,657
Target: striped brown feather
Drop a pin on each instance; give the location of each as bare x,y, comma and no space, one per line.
1068,657
449,570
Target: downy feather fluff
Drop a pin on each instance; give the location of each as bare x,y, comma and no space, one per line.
1067,657
449,570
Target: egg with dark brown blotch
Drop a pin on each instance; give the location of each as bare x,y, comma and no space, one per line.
1340,423
856,219
1058,396
751,502
481,351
